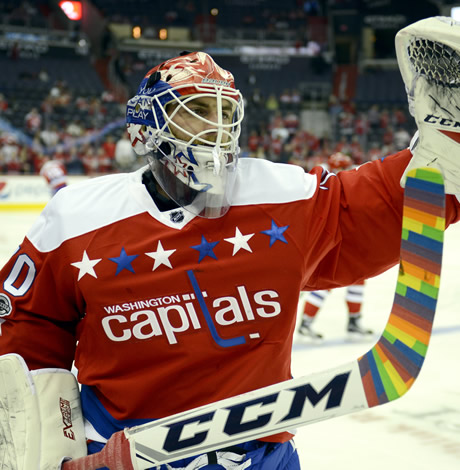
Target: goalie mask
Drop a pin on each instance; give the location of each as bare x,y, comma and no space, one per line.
186,119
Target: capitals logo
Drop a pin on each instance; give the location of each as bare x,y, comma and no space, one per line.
171,315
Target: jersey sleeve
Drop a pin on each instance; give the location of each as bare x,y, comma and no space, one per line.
358,216
40,317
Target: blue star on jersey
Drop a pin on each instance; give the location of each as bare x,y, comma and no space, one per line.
124,261
205,248
276,233
161,256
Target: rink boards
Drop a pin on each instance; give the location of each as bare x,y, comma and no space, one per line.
26,193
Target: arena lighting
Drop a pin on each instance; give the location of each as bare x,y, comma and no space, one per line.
455,13
72,10
163,34
137,32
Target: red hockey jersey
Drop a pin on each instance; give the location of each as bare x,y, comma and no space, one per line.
166,311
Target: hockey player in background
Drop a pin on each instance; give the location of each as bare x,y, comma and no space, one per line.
314,301
55,175
177,285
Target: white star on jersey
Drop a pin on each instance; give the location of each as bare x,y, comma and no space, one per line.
239,241
161,256
86,266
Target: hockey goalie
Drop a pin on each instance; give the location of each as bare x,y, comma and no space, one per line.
177,285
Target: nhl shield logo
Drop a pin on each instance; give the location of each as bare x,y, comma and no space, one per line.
177,216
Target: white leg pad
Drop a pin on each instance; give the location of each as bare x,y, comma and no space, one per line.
41,422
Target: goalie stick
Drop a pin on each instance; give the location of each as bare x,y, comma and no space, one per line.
383,374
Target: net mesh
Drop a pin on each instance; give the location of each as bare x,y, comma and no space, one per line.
435,61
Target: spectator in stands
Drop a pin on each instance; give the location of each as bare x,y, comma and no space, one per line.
401,138
343,146
104,162
374,152
81,103
28,156
388,136
74,164
43,76
253,143
291,122
96,112
60,94
49,136
33,121
257,99
276,150
88,156
285,99
3,104
346,124
272,104
385,119
334,106
109,146
74,128
107,97
260,153
276,121
373,115
265,140
298,156
361,128
356,151
296,98
399,117
280,132
14,51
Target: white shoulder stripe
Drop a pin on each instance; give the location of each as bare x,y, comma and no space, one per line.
76,209
83,207
264,182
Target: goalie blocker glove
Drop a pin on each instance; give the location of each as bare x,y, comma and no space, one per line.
428,54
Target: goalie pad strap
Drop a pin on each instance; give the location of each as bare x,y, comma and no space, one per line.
40,416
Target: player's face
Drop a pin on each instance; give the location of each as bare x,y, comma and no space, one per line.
199,116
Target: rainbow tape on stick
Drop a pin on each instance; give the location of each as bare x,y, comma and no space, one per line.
391,366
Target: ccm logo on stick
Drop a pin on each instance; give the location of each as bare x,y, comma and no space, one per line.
274,411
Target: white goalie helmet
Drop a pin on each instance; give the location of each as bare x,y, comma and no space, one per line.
186,118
